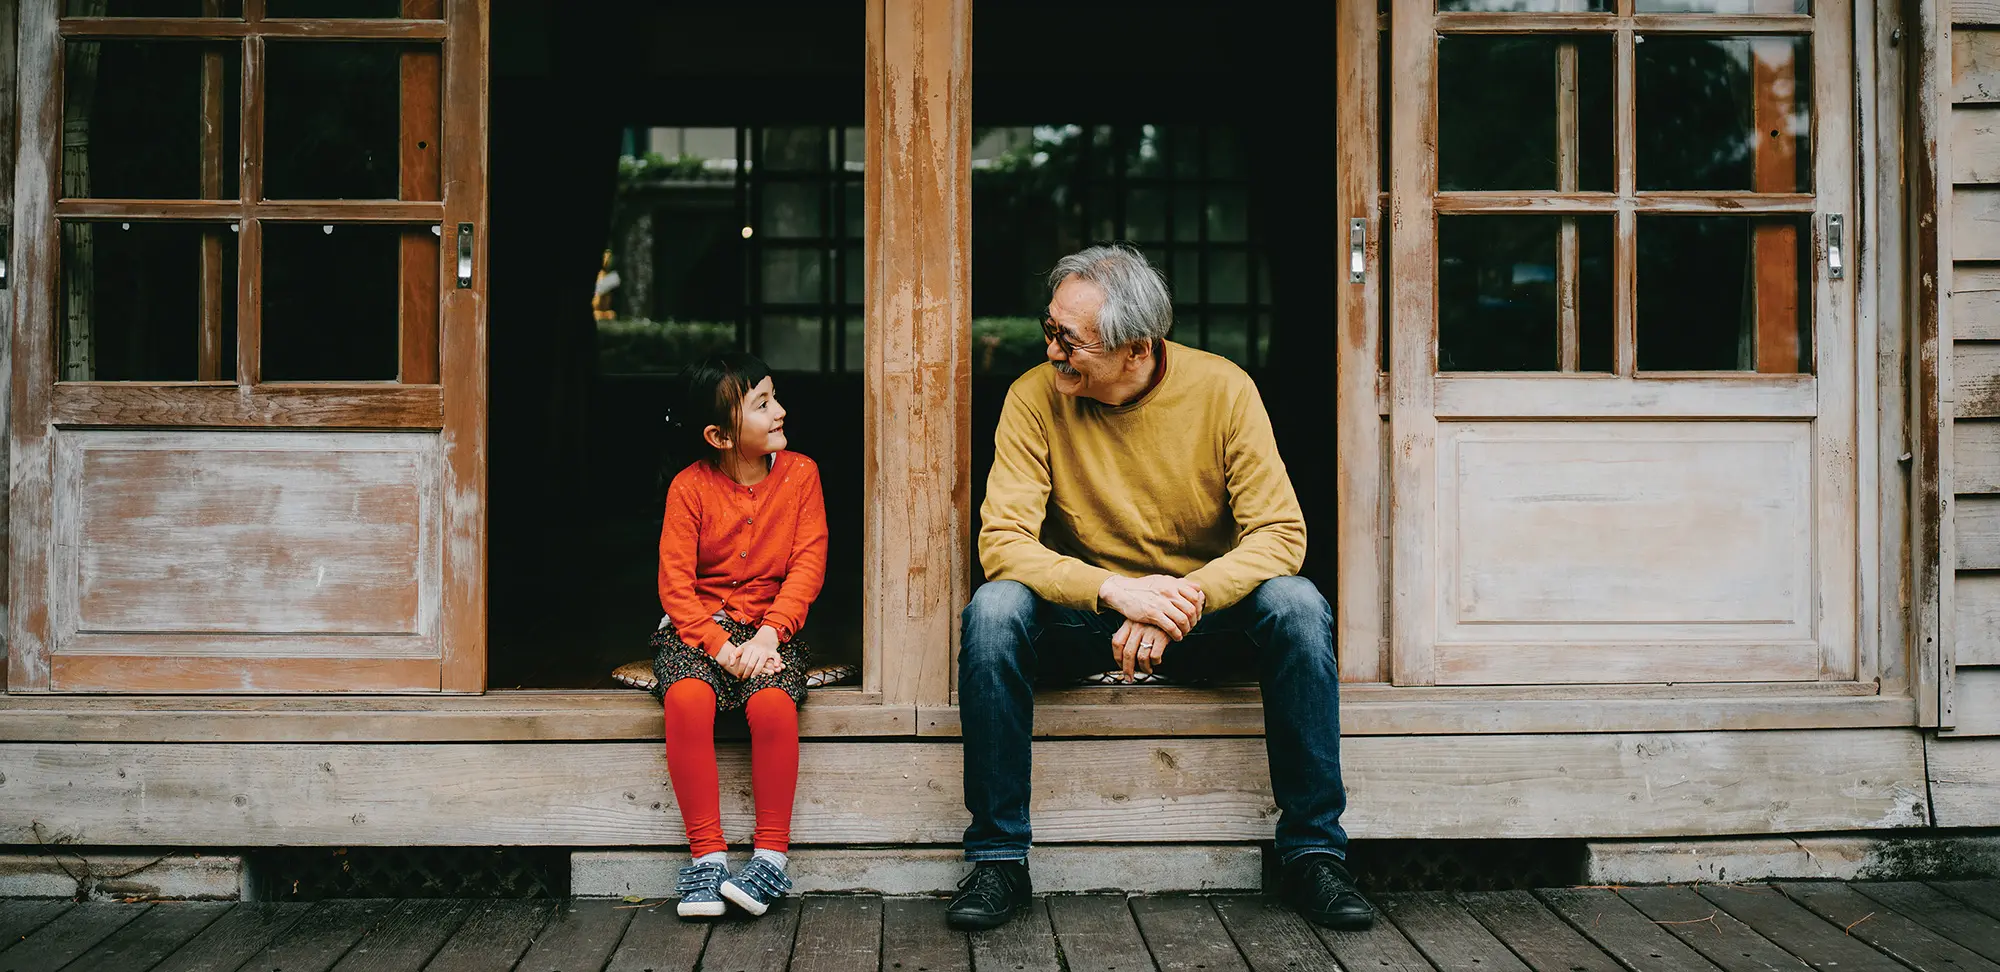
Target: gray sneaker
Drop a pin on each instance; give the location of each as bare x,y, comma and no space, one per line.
700,888
757,886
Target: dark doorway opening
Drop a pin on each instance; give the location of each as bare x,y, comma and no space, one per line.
682,184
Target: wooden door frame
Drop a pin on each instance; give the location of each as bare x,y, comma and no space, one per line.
1850,639
456,408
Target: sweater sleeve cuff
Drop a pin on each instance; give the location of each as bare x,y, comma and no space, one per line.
713,637
1075,585
786,628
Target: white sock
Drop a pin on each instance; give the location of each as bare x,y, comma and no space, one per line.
716,857
772,856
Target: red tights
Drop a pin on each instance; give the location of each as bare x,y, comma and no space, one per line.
774,764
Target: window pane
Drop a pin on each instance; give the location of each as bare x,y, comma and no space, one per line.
1229,336
635,346
1145,152
1724,113
1228,277
795,149
333,121
791,209
1499,291
153,8
1228,215
1725,293
791,275
134,115
1725,6
1145,215
344,9
1498,113
1007,345
332,301
1526,6
791,342
133,301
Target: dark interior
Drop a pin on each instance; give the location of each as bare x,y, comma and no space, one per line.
575,458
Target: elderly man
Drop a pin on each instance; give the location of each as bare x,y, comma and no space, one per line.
1138,507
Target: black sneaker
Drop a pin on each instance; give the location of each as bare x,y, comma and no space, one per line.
990,896
1322,892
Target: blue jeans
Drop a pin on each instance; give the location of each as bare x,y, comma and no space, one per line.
1010,636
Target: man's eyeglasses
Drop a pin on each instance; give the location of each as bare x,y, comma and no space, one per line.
1053,332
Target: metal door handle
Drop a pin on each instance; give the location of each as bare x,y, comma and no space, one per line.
1836,263
464,255
1357,250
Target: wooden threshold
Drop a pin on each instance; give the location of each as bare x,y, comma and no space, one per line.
550,716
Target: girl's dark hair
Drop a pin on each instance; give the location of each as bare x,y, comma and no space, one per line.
710,392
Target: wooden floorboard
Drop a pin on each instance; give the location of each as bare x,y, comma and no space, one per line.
1026,944
1982,895
1732,945
407,936
1096,933
151,937
753,945
1271,936
1535,934
230,940
838,934
1796,930
321,938
1793,927
1891,933
579,937
1186,935
915,938
1612,924
1448,935
495,938
21,916
658,940
68,935
1941,913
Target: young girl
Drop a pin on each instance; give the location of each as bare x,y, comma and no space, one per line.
742,555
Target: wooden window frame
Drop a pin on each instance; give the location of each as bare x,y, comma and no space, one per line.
447,367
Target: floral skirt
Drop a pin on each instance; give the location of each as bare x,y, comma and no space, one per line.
674,659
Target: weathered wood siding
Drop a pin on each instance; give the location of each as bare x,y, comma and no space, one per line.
882,792
1969,194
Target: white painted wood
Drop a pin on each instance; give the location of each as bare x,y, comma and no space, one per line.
1975,145
1975,66
1058,869
216,544
1632,551
1888,857
1965,781
1975,222
1977,695
1978,618
183,876
1192,791
1586,396
1976,527
1975,452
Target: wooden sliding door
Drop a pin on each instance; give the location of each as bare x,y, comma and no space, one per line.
249,347
1622,366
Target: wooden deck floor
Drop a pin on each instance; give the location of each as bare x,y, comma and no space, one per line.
1812,927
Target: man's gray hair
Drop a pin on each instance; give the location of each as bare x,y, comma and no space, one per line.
1137,306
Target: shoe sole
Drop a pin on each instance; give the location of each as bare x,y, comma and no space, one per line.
702,909
1343,922
742,899
979,922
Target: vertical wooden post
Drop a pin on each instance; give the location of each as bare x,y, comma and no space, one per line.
918,370
1413,351
1569,257
208,354
1775,245
1358,616
39,146
10,89
422,78
461,348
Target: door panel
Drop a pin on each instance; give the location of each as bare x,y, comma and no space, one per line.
332,539
1623,374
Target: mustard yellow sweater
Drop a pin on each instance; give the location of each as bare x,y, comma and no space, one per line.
1185,481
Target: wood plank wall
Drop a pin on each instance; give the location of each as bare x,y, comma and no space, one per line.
1969,194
